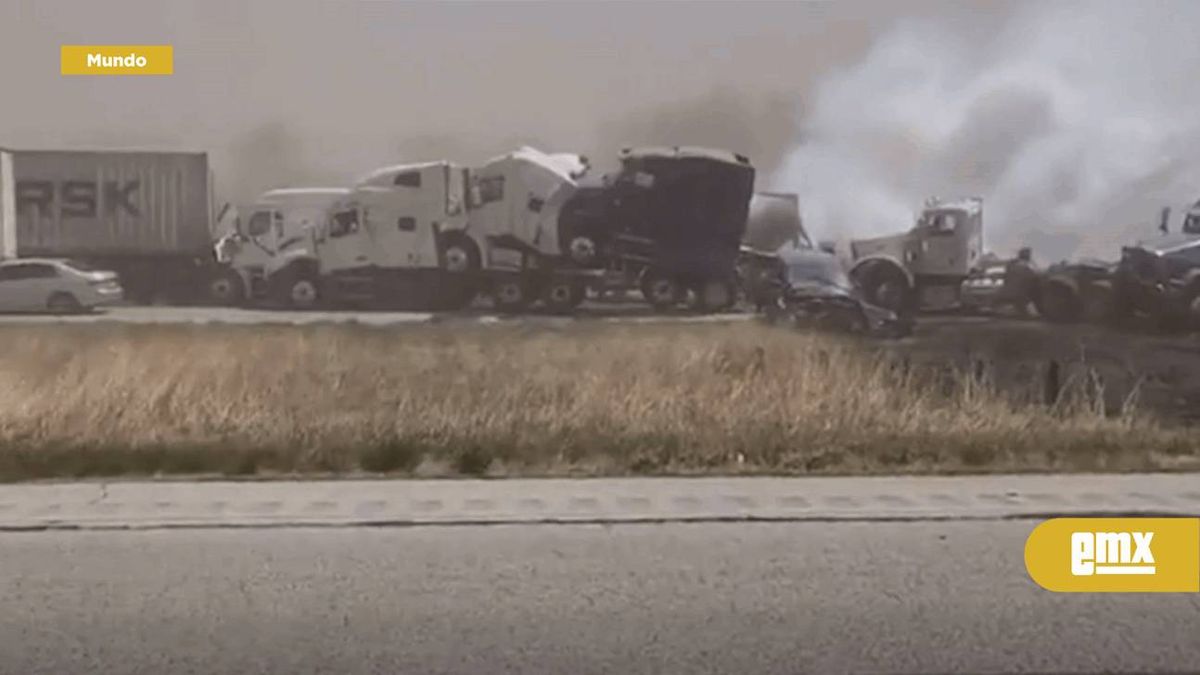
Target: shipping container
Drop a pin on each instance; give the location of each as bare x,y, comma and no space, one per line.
70,203
146,215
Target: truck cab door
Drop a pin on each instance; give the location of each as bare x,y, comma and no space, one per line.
343,241
402,223
943,245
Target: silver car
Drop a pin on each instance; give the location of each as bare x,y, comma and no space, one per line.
53,285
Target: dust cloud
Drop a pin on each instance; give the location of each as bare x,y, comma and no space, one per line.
288,92
1074,121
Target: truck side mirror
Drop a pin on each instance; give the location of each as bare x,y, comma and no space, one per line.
1164,219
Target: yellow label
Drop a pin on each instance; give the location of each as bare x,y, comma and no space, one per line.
1115,555
118,60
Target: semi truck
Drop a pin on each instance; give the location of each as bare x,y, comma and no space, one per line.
394,238
670,221
924,268
145,215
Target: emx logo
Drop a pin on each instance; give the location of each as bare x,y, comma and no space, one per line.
1111,553
1115,555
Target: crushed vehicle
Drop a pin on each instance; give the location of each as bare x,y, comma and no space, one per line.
1081,290
1066,291
1160,280
275,235
924,268
808,286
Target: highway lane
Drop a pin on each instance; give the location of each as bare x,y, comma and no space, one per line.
241,316
946,596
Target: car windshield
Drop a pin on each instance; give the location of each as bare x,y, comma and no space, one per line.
818,268
80,266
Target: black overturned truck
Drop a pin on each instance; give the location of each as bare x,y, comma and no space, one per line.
669,222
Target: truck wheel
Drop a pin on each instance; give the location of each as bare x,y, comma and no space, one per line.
562,295
1192,305
1097,302
511,295
1059,303
225,289
299,290
63,303
715,295
886,287
460,253
661,290
582,250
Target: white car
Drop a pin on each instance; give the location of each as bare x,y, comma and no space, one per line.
59,286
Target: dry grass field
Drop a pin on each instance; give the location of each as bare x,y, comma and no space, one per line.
91,400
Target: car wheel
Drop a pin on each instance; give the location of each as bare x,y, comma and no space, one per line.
63,303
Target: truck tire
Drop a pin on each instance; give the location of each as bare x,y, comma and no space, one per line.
460,253
582,250
225,289
1096,304
1058,302
298,290
887,287
1192,307
661,290
563,295
511,294
63,303
715,295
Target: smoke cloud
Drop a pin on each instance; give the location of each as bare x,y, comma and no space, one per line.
1075,122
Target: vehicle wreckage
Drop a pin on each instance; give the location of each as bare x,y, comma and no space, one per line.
1156,280
790,280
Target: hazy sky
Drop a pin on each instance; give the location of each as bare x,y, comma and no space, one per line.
300,91
1074,119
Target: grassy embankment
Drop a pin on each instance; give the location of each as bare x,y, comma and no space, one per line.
589,400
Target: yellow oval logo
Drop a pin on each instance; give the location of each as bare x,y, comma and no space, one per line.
1115,555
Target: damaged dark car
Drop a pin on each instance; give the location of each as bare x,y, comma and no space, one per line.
1160,280
810,288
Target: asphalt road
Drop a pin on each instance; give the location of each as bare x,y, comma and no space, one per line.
667,598
834,586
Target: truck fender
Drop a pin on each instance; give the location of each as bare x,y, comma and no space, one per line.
299,265
868,265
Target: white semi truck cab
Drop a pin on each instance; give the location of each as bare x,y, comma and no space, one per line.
386,240
266,236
